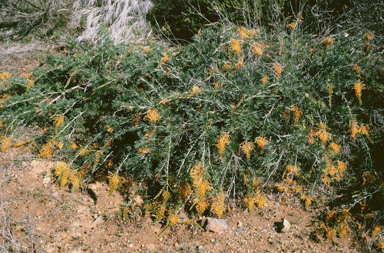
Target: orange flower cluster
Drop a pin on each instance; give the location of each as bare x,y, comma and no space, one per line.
356,129
359,86
195,90
264,79
292,25
261,141
236,46
246,34
164,59
218,205
222,140
247,148
296,113
328,41
114,181
67,176
369,35
257,49
278,69
153,115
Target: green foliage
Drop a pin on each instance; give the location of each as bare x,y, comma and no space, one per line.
181,19
248,110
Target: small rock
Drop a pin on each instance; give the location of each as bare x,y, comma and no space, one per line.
138,200
176,245
131,245
46,180
92,187
285,226
215,225
239,224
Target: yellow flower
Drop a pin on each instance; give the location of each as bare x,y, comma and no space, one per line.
292,169
365,130
261,141
311,138
153,115
164,59
264,79
201,206
109,128
222,140
341,166
5,143
114,181
247,148
328,41
322,134
296,113
47,150
239,64
355,129
259,200
307,200
243,33
143,150
5,75
59,120
335,147
173,219
218,205
359,86
292,25
369,35
236,46
257,49
195,90
331,169
185,190
357,69
30,83
278,69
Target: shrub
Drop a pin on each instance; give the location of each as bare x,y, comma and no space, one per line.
191,124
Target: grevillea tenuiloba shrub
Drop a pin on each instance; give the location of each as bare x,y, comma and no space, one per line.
233,115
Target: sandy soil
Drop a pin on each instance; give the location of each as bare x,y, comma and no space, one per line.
38,216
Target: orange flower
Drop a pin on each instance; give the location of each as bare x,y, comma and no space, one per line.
311,138
355,129
239,64
359,86
341,166
218,205
335,147
322,133
369,35
331,169
257,49
296,113
222,140
278,69
357,69
153,115
328,41
264,79
243,32
164,59
261,141
247,148
236,46
292,25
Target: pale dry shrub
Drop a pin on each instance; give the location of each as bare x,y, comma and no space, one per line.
124,19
